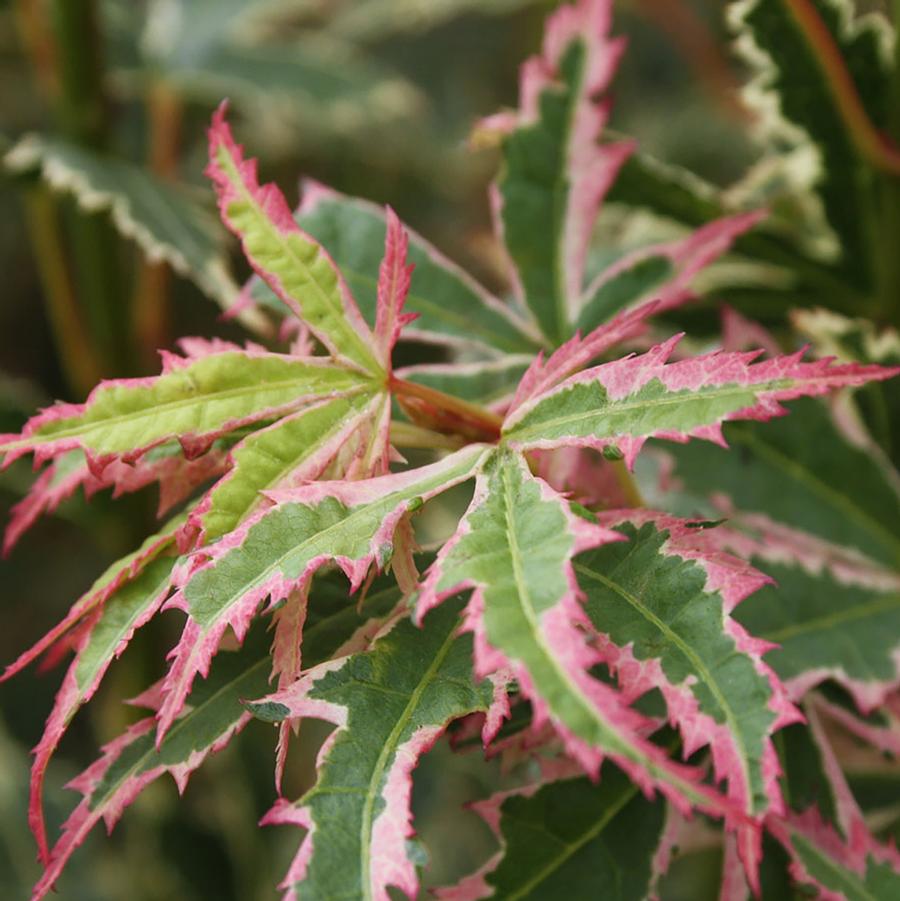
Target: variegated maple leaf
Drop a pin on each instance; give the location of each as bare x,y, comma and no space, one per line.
599,624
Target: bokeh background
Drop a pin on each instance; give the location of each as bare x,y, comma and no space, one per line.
374,97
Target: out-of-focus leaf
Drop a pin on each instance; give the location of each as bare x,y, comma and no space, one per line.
164,219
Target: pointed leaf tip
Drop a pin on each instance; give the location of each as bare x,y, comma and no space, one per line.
295,266
394,277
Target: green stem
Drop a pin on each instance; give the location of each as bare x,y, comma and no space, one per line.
628,484
81,111
72,341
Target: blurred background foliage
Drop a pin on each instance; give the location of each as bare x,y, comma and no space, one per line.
103,105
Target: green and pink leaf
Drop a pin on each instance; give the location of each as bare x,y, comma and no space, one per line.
104,635
514,549
295,266
662,606
277,551
626,402
389,705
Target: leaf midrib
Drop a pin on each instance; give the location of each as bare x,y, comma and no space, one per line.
571,848
365,357
387,751
672,398
528,610
688,651
261,386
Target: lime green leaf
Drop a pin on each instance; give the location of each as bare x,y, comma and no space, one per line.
194,400
452,307
294,265
296,448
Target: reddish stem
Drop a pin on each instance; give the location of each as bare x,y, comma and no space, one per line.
443,412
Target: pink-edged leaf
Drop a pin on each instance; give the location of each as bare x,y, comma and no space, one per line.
115,576
625,402
555,171
828,841
835,614
166,465
452,308
568,836
277,550
297,448
881,730
389,705
194,403
108,630
295,266
130,762
515,548
215,709
583,475
287,660
663,273
578,352
741,333
393,287
662,606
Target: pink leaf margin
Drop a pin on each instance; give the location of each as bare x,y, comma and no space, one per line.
273,203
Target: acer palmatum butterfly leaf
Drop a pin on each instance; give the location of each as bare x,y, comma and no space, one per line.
802,471
626,402
132,761
102,636
834,615
662,604
514,548
278,550
451,307
296,449
214,712
194,403
178,477
393,288
555,172
579,632
568,831
663,273
390,705
824,831
115,576
296,267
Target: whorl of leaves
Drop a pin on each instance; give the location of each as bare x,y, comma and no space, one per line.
563,621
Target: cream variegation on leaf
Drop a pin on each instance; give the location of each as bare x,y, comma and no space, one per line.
575,631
